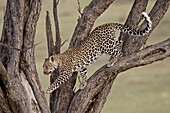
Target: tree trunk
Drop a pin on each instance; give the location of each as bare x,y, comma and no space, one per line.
21,92
20,89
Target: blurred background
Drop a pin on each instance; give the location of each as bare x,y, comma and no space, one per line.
139,90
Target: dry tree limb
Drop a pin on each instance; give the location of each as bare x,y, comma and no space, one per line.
22,50
57,29
49,35
79,8
64,42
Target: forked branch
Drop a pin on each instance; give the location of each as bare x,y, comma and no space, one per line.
106,75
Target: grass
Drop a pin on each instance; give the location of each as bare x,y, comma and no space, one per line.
139,90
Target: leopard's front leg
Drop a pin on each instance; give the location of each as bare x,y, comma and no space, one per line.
64,76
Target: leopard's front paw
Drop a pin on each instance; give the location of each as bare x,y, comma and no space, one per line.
110,64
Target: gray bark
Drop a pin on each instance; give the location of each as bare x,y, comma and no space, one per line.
21,92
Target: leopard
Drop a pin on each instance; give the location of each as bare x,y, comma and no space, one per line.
102,40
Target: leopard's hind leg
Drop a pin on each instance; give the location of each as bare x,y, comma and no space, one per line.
115,52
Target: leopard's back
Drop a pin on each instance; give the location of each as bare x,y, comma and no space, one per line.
101,40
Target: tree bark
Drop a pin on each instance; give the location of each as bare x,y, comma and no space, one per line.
21,93
20,89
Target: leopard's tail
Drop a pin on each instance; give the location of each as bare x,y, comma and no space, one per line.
135,32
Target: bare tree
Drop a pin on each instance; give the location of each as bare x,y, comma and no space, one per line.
20,89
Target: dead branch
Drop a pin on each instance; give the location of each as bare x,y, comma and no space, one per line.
22,50
57,29
64,42
79,8
49,36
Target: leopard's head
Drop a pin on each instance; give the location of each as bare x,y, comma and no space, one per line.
50,64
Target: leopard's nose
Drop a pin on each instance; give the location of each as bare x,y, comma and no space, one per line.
46,73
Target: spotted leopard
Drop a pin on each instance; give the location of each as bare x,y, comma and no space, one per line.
101,40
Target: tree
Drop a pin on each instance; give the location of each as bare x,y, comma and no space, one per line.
20,89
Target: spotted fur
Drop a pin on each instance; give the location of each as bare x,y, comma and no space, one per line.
101,40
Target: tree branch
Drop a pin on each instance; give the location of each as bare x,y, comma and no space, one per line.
85,23
105,75
57,30
64,42
49,36
79,7
157,13
22,50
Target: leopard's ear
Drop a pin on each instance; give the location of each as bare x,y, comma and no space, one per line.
46,58
52,58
